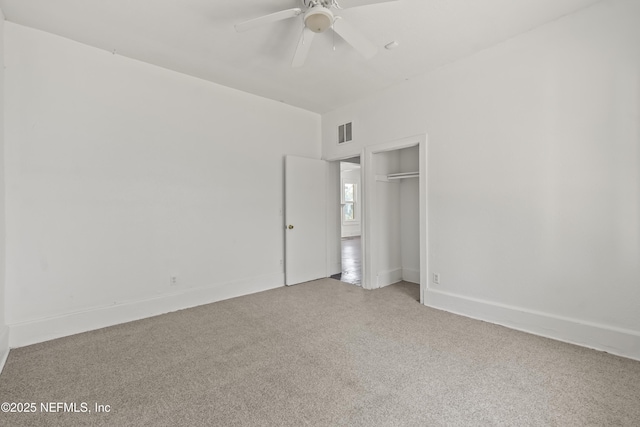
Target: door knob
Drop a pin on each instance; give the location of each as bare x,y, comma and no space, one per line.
291,227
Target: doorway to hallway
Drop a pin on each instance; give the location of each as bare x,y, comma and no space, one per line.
350,221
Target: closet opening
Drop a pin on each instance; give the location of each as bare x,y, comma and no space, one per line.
395,222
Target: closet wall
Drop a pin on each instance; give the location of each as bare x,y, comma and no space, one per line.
395,219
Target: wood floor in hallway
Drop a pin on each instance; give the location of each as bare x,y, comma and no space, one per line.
351,261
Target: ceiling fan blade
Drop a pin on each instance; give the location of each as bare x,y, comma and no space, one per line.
354,38
346,4
304,44
267,19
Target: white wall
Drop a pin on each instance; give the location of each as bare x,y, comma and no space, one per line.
121,174
534,176
4,331
334,220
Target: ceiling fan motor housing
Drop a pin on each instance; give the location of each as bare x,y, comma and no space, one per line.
318,19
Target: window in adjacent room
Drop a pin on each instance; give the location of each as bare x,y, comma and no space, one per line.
349,208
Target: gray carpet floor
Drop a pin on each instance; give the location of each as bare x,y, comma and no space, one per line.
322,353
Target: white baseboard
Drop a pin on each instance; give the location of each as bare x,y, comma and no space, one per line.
618,341
389,277
4,346
45,329
411,275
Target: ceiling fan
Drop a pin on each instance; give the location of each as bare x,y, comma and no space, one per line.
318,17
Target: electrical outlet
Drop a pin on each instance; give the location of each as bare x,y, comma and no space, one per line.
173,280
436,278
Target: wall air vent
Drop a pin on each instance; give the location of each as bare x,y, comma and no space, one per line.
344,133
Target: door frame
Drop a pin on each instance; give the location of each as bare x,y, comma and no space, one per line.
368,184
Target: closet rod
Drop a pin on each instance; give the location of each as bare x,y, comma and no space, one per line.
403,175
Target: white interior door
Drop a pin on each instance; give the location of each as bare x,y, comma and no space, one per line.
305,219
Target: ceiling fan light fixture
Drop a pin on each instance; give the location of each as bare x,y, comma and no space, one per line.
318,19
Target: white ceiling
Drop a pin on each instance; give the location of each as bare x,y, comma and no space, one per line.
197,37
